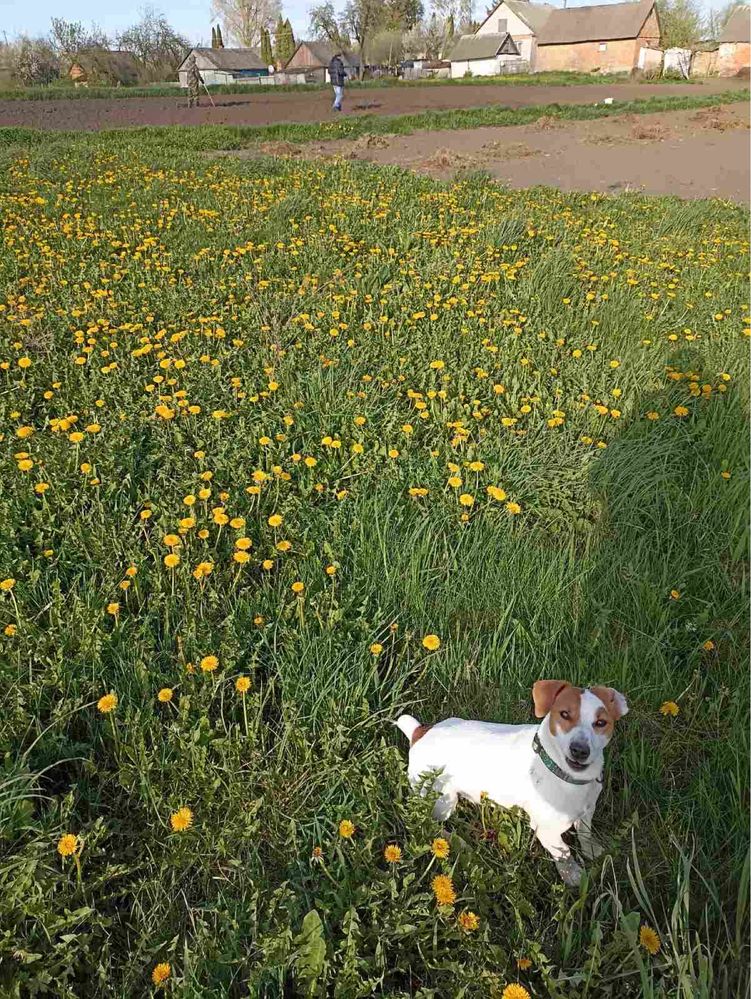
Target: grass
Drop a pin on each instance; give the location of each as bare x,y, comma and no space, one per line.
205,137
314,341
63,91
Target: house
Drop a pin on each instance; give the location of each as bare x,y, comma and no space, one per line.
224,66
605,37
116,68
485,55
312,59
734,56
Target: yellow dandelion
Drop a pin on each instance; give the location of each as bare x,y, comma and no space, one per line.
431,643
392,854
172,560
209,663
649,939
466,499
297,587
443,889
161,973
67,845
346,829
523,963
515,991
165,695
669,708
376,648
181,820
107,703
468,921
275,520
7,584
440,848
242,684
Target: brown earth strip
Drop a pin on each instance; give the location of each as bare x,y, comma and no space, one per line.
691,154
261,107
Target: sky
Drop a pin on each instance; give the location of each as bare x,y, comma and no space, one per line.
190,17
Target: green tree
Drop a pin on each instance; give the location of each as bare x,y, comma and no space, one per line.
681,23
219,39
213,37
267,53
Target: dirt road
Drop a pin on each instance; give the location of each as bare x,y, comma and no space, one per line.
691,154
261,107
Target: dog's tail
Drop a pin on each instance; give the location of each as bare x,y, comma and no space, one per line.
407,724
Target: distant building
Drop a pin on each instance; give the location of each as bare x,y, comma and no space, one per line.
734,56
485,55
312,59
218,66
606,37
106,67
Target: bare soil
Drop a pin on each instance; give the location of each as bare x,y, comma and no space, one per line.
691,154
262,107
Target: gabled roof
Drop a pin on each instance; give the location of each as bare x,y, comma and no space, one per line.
324,53
483,47
229,59
738,27
106,64
601,23
533,14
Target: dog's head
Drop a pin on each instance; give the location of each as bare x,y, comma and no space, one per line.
580,720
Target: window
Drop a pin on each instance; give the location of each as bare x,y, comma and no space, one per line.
502,25
603,46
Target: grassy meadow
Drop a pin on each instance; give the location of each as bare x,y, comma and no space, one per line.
289,448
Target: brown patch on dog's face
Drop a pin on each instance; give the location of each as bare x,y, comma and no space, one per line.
565,710
544,692
419,732
612,705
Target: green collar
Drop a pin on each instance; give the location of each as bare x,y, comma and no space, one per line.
553,766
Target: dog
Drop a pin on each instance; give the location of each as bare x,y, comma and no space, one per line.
553,771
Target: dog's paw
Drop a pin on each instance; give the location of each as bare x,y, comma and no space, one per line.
570,872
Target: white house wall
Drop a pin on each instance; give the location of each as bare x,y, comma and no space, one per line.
519,31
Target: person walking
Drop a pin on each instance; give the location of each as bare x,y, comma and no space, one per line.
337,75
195,81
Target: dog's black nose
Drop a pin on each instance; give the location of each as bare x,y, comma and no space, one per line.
579,751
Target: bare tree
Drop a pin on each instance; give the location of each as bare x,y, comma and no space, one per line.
244,19
70,38
34,61
324,23
155,43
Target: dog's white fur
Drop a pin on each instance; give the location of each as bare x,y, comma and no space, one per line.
475,757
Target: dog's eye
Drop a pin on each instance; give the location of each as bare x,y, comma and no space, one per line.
600,723
565,715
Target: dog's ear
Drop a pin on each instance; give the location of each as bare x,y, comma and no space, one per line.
614,701
544,692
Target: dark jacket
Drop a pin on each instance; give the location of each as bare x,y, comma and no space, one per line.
336,72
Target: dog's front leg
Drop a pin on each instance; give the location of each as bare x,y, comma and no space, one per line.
590,848
552,840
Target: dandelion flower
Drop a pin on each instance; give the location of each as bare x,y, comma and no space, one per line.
469,921
680,411
209,663
515,991
242,558
346,829
10,630
67,844
392,854
7,584
330,570
275,520
466,499
649,939
172,560
297,587
440,848
431,643
242,685
165,695
376,648
669,708
181,820
443,889
161,973
709,645
523,963
513,508
107,703
675,595
317,854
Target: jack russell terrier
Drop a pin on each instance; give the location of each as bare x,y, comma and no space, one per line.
552,770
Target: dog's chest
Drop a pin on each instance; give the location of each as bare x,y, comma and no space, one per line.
549,795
